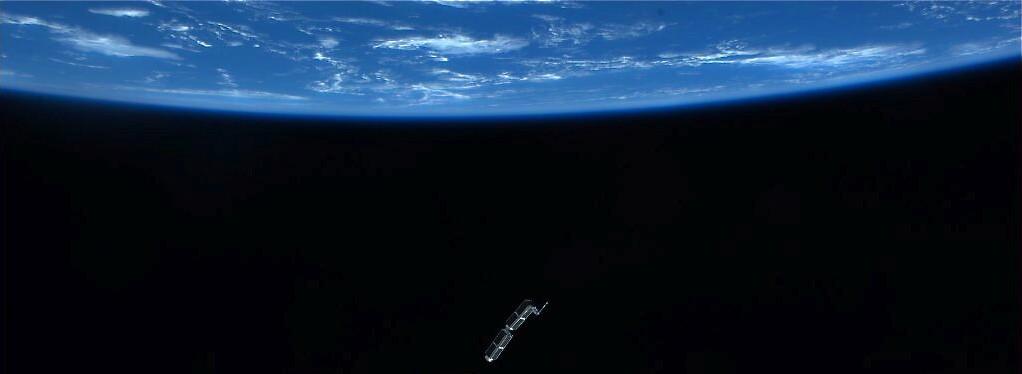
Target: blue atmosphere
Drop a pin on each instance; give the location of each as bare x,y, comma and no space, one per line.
481,58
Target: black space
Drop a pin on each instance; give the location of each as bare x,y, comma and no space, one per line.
868,230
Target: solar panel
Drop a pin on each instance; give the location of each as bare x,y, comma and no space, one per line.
522,312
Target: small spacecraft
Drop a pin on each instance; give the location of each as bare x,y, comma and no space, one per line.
514,322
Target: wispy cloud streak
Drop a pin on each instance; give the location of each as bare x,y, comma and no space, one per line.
84,40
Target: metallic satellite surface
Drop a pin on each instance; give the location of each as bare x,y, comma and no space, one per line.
525,309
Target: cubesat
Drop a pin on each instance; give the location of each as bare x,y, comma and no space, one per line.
524,310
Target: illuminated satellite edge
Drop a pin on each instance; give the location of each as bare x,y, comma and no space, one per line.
524,310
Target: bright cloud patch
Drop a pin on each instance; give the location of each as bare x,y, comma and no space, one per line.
456,44
837,57
328,42
112,45
121,12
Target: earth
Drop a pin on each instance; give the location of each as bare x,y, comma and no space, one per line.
381,58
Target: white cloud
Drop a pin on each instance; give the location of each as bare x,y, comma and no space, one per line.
577,66
617,32
467,3
374,22
452,3
230,93
332,84
975,11
202,43
353,83
225,78
173,26
984,47
121,12
346,79
328,42
898,26
433,95
155,77
13,74
690,90
239,30
543,77
452,80
336,63
32,21
802,59
725,53
805,57
863,55
456,44
558,31
111,45
361,21
178,46
78,64
440,86
448,85
453,76
662,92
547,17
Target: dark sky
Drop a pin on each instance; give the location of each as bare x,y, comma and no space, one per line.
874,229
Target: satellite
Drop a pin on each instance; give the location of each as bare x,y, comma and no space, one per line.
514,322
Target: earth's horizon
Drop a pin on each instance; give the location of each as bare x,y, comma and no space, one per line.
478,58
